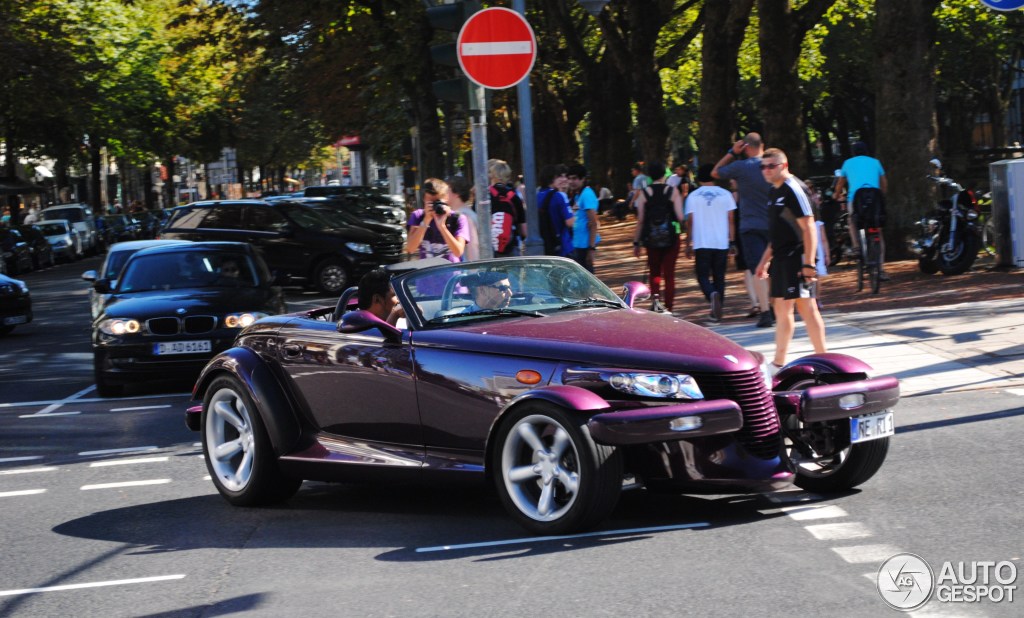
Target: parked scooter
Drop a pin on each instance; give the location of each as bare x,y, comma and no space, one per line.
949,239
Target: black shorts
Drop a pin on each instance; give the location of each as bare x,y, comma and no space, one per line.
786,282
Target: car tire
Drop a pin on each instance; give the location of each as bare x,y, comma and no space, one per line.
331,276
237,449
6,330
847,469
551,476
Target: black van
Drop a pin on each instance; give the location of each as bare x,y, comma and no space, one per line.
293,239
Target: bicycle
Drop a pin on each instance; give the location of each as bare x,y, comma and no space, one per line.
869,260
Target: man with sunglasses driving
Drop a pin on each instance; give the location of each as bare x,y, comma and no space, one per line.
490,290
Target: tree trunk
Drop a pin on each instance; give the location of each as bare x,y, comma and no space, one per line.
95,171
905,111
724,26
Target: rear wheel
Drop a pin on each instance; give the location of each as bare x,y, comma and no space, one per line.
330,276
838,470
875,264
551,476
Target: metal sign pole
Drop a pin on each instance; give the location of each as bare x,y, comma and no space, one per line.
480,179
534,243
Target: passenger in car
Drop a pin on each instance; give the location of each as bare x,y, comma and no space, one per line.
378,297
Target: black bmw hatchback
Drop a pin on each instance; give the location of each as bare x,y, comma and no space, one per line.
175,307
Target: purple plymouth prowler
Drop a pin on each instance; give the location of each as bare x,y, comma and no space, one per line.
531,374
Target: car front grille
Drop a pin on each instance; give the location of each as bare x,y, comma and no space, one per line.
390,248
760,434
191,325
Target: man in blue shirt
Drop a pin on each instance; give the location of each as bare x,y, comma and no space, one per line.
858,172
584,231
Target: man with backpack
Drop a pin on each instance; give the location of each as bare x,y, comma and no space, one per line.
659,214
863,178
554,213
508,216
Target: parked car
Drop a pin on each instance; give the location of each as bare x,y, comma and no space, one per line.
294,240
124,227
42,252
16,251
81,218
173,307
15,304
149,222
63,238
342,218
106,278
530,373
364,202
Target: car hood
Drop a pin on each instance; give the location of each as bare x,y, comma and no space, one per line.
628,338
194,302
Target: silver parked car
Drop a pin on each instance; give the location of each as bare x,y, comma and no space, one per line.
64,238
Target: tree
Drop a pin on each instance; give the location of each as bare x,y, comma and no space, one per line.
725,25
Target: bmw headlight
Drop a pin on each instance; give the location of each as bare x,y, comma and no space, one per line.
662,385
241,320
359,247
120,326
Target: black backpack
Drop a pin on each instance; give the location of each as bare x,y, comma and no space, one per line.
869,207
659,219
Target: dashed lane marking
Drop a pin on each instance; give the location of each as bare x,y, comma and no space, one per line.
56,405
22,458
23,492
126,484
839,531
813,511
140,408
116,582
1016,391
542,539
48,414
51,402
864,554
126,462
114,451
29,470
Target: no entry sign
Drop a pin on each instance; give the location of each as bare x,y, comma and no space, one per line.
496,48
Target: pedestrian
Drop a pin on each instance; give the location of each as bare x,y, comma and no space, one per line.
554,214
709,231
585,234
753,209
659,216
862,177
680,179
788,261
460,199
434,230
640,182
508,216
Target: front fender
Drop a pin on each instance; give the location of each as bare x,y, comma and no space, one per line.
265,391
821,365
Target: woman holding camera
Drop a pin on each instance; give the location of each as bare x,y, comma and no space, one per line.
434,230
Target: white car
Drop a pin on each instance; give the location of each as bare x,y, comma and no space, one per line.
82,220
64,238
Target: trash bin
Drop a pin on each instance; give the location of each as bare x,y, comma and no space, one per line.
1007,182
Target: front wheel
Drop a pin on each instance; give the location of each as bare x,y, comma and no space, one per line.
960,256
237,449
551,476
839,470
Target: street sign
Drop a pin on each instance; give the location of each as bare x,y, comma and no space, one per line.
496,48
1004,5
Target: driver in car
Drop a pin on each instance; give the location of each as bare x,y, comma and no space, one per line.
378,297
490,290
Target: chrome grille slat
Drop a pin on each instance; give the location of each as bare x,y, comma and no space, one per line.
760,434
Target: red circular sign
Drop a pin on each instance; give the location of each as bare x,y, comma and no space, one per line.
496,48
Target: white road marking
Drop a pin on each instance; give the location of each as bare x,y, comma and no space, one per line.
58,404
23,492
47,402
813,511
29,470
116,582
22,458
837,532
140,408
497,48
125,462
1016,391
207,478
48,414
862,554
112,451
125,484
541,539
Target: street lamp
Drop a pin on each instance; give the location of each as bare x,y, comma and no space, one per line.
593,6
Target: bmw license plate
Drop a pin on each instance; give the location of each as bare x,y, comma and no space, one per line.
16,319
181,347
871,427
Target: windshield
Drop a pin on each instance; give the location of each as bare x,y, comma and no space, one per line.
511,287
53,229
188,269
71,214
304,217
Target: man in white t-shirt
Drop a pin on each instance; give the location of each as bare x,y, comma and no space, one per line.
709,231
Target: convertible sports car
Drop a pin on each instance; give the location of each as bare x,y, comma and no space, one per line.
532,374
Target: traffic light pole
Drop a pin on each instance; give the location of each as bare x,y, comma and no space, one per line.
534,243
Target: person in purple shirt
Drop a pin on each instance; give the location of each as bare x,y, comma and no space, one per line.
434,230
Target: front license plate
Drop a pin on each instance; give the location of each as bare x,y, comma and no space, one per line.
15,319
871,427
181,347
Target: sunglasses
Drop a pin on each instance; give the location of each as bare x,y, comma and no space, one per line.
770,166
504,287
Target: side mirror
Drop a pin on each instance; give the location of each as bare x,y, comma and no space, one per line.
89,275
103,286
361,320
635,292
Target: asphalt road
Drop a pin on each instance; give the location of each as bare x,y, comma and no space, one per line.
89,531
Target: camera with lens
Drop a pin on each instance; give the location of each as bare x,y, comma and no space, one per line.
439,207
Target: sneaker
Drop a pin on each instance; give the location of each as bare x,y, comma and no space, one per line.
716,306
753,312
773,369
766,320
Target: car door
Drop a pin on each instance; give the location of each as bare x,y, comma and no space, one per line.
355,386
224,222
274,236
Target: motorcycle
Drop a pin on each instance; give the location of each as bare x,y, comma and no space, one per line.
949,239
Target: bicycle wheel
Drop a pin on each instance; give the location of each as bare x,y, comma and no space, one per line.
875,262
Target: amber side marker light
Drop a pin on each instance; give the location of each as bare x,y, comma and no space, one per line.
528,376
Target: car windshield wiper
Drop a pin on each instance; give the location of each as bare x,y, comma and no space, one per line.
486,312
591,302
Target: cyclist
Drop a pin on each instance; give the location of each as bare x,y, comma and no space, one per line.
859,172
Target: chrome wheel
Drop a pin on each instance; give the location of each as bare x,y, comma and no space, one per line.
540,466
331,277
230,442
